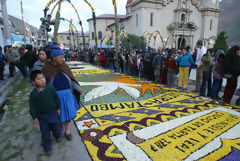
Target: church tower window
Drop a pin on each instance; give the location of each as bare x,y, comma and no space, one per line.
183,17
183,5
211,22
136,20
100,35
93,36
151,19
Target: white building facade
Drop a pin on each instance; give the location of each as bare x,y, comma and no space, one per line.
167,23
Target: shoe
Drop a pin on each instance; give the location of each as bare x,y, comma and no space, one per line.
68,136
196,91
219,98
48,153
59,139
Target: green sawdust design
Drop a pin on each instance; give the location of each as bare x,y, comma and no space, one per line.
116,151
137,128
113,97
116,133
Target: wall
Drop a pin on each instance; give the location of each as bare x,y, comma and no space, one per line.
101,25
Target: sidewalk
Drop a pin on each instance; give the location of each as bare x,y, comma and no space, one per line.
20,138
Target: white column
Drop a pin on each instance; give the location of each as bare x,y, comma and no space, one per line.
5,22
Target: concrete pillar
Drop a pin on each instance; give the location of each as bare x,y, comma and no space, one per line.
5,22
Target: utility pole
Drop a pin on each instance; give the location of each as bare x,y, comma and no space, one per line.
5,22
23,23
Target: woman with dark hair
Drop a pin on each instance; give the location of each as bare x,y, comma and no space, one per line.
43,58
231,65
60,76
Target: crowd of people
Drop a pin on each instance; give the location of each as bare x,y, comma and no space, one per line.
162,65
56,97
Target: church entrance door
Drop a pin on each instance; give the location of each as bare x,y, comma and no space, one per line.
181,43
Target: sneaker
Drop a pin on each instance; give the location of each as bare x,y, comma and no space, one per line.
48,153
59,139
68,136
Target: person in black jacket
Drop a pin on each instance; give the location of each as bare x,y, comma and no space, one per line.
232,68
30,57
3,59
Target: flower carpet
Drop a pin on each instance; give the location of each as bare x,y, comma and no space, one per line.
126,118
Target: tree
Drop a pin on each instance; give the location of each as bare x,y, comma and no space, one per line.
221,42
133,41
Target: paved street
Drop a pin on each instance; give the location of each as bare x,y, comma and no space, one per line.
20,139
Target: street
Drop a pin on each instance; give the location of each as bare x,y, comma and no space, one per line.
109,80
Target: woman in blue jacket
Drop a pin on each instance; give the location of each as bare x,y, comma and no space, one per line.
184,60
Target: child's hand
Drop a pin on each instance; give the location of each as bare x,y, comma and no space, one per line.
80,91
58,112
36,122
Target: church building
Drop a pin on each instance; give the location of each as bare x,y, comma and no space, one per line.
164,23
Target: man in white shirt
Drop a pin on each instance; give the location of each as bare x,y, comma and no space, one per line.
201,50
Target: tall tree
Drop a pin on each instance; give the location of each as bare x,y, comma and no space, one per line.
221,42
133,41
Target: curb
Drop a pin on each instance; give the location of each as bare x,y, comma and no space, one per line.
4,91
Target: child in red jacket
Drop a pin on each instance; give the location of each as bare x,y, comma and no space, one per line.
171,66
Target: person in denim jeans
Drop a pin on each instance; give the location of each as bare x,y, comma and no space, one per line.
218,72
207,62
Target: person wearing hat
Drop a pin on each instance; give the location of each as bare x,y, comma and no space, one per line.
201,50
60,76
13,58
218,52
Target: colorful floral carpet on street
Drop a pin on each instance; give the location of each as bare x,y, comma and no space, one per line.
125,118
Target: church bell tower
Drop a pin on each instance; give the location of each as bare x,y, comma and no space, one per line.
210,14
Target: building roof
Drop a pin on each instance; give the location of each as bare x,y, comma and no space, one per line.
129,2
109,16
86,34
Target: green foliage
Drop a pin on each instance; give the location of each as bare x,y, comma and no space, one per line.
133,41
109,42
221,42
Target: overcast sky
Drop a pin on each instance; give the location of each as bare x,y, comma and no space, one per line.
33,10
